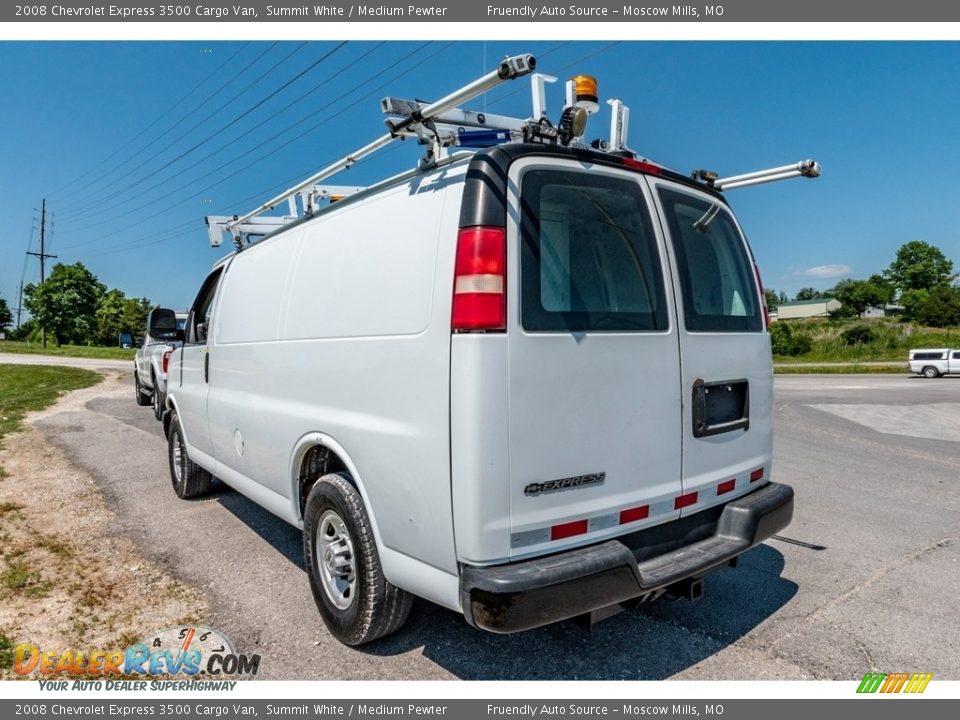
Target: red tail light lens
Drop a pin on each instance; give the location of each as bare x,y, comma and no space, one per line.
165,363
480,280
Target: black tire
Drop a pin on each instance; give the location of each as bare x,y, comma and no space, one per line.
930,372
189,479
143,398
159,400
374,608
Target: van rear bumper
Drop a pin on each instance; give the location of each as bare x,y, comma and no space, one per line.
536,592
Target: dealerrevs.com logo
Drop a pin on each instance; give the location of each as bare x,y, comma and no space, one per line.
894,683
190,650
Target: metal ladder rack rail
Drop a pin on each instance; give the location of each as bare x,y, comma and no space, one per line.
509,69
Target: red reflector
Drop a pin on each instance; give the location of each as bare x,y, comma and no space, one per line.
726,487
577,527
756,475
166,360
480,280
642,166
685,500
634,514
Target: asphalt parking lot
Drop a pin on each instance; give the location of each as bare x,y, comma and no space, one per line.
865,578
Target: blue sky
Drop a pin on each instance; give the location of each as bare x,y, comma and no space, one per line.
131,151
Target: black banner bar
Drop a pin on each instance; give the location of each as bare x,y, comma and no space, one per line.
325,11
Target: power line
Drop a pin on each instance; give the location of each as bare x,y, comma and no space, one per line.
83,199
158,119
230,144
251,163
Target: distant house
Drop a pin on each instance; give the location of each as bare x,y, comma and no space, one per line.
798,309
886,311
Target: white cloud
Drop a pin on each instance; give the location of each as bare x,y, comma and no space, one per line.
826,271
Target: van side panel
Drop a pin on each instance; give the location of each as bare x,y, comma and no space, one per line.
362,355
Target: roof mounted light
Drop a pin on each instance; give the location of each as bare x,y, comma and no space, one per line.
584,93
573,123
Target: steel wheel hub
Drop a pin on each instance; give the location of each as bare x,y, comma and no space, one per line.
336,560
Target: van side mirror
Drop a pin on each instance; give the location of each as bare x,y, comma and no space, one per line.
201,332
162,324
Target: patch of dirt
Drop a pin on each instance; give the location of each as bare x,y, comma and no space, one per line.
67,579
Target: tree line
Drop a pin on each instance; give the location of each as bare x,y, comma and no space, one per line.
76,308
920,279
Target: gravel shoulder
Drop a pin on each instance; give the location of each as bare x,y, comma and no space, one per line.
68,576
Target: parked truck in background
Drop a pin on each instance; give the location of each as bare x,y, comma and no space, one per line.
164,333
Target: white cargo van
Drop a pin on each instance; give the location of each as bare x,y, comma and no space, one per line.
527,383
934,362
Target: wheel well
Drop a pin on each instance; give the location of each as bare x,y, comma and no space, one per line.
318,461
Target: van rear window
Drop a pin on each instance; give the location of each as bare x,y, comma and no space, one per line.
716,278
589,259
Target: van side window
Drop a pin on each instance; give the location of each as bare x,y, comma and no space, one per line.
716,277
201,314
956,356
589,258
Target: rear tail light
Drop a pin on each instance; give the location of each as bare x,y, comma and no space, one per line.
763,298
480,280
165,363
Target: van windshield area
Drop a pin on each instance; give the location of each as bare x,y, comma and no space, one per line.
588,259
716,278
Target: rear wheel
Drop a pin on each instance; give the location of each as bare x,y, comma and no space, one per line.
930,372
357,603
143,397
189,479
158,401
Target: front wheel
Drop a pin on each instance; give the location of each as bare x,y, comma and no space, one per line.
357,603
189,479
930,372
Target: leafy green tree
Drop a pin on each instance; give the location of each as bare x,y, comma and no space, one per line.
772,299
938,307
6,317
117,313
807,293
919,266
66,303
856,296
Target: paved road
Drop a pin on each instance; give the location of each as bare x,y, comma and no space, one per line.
865,578
95,363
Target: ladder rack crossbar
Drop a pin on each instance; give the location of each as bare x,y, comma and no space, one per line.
509,69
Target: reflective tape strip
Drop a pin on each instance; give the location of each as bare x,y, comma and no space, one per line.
704,496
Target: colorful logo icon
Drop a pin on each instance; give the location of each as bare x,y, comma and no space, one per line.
190,650
894,682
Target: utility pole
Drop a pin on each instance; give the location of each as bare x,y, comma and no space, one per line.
43,256
19,305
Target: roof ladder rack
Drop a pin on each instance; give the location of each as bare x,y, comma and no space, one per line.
421,116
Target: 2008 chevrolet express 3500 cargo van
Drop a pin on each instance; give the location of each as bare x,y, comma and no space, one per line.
528,384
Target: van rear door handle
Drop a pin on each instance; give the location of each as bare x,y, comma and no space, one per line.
206,367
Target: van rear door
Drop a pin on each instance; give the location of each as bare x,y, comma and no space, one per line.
727,373
594,366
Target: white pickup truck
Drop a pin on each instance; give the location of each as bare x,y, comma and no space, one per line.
934,362
164,334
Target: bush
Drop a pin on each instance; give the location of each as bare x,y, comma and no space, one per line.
857,335
786,341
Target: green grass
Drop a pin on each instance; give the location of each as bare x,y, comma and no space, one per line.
852,369
33,387
101,353
6,651
892,341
